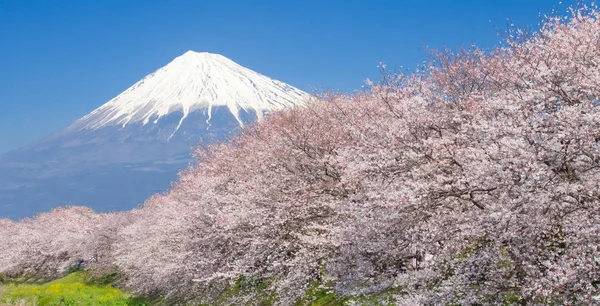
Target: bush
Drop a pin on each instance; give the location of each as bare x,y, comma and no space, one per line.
70,290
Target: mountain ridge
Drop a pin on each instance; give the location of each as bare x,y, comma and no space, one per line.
135,144
208,80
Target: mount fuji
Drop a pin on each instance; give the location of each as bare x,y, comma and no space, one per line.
134,145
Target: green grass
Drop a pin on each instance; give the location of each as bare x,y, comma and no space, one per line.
323,295
82,288
74,289
255,288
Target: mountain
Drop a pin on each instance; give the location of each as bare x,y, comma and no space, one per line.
134,145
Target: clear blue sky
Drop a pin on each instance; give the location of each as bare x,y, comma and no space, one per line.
60,60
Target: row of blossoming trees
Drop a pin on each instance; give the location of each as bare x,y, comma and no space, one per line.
476,181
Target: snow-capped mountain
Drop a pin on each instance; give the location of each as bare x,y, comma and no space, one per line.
194,81
134,145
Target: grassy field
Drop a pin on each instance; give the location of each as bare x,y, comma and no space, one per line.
79,289
73,290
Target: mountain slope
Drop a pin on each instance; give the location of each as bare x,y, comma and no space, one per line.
134,145
193,81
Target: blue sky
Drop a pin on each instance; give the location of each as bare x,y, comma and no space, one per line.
59,60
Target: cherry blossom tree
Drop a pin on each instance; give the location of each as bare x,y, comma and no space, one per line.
473,181
47,244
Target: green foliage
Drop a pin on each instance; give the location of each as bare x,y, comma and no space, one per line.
72,290
474,247
513,299
323,295
383,298
250,291
319,295
73,268
84,288
255,292
109,279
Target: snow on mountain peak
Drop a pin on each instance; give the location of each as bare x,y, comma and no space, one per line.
194,81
